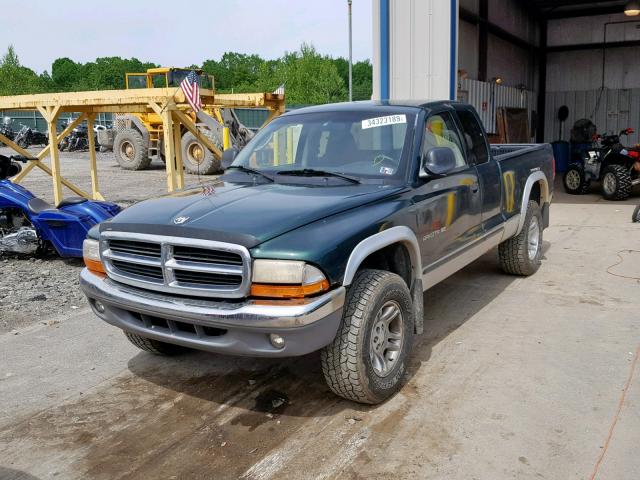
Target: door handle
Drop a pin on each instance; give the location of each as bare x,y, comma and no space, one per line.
475,187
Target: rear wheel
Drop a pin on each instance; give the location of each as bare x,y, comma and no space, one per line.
131,150
197,158
154,346
522,254
575,181
616,183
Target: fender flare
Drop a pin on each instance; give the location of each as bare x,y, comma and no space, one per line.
377,242
534,178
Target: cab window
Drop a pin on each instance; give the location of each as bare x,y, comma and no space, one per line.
476,142
441,131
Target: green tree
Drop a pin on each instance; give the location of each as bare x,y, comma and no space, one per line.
309,77
16,79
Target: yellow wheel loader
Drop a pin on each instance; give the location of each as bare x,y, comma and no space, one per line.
137,137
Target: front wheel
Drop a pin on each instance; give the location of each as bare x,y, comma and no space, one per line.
636,215
197,158
131,150
522,254
616,183
366,361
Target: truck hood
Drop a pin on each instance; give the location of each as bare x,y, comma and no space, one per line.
247,214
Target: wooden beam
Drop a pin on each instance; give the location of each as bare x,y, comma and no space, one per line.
169,150
45,151
95,186
177,141
64,181
51,115
191,126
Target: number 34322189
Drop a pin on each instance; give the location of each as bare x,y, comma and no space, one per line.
383,121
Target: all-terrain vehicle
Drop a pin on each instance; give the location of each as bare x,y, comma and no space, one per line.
616,168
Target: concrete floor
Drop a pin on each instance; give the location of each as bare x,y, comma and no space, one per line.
514,378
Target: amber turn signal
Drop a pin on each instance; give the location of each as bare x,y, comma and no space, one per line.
94,265
91,256
288,291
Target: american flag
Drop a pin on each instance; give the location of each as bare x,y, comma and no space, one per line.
191,91
279,90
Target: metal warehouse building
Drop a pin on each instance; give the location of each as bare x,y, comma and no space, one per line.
536,55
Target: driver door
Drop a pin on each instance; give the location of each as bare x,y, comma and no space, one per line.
448,209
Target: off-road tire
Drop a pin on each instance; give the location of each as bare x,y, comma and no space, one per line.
583,186
514,252
623,183
346,362
190,145
154,346
636,215
139,158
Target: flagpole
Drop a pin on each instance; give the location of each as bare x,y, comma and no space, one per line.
350,56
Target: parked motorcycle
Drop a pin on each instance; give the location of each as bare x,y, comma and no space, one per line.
77,140
615,166
29,224
27,137
6,130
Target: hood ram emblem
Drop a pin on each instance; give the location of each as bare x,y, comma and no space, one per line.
180,220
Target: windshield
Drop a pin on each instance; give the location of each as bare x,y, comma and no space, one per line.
365,145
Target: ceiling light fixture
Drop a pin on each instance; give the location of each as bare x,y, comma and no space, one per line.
632,9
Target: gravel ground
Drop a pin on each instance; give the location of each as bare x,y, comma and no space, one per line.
32,289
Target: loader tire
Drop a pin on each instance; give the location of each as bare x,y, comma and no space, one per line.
197,158
131,150
154,346
522,254
367,359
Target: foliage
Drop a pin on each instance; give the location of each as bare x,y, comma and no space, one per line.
309,77
16,79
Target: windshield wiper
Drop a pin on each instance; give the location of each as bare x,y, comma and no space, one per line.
242,168
310,172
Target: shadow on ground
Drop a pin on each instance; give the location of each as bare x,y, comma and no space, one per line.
223,413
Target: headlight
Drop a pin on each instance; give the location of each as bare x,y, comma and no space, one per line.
286,279
91,255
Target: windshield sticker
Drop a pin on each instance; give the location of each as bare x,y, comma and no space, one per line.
383,121
386,171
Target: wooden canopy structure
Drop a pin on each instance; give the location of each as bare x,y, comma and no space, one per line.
169,103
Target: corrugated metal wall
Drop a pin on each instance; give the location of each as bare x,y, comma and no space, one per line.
488,97
610,109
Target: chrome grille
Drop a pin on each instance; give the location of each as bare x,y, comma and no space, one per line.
177,265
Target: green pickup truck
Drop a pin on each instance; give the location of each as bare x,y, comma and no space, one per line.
322,234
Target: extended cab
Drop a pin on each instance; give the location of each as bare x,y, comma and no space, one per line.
323,233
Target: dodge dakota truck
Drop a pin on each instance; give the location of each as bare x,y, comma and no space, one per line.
322,234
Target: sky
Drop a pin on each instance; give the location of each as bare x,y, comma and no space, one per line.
180,33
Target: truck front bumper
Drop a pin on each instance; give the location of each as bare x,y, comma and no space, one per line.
238,328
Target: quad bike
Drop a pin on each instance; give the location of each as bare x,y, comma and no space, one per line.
29,224
609,162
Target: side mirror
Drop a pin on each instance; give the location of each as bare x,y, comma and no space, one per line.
437,162
228,156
